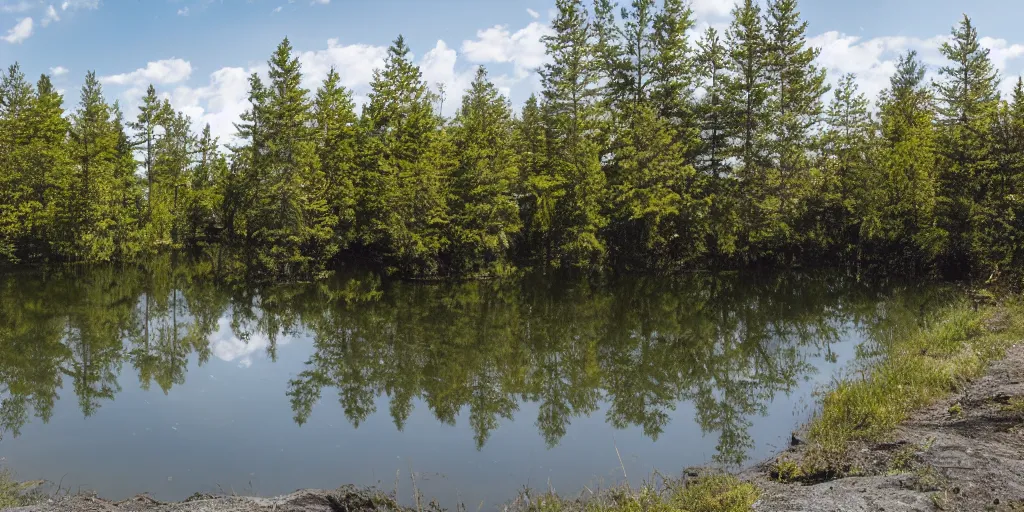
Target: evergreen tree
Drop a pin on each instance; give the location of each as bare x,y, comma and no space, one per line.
49,166
745,98
672,66
402,208
145,126
967,107
1002,233
293,222
87,225
337,134
485,214
846,148
17,101
569,82
902,189
797,88
536,188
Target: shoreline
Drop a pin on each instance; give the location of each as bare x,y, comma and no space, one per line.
960,446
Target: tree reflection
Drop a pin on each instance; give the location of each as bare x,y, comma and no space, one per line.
635,347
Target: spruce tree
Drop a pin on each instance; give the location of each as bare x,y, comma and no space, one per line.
846,159
294,220
570,98
967,107
902,190
485,214
746,93
49,166
797,88
537,188
402,209
17,100
145,127
1002,231
337,134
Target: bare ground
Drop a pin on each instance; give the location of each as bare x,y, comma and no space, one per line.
962,454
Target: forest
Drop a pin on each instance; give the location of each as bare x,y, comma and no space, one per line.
650,148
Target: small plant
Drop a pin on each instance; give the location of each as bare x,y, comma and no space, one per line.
903,460
956,410
1015,406
785,469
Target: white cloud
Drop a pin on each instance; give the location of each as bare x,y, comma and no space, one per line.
168,71
80,4
228,347
59,71
438,66
1001,51
183,11
355,63
873,60
51,16
321,2
533,14
497,44
278,8
19,6
712,8
19,32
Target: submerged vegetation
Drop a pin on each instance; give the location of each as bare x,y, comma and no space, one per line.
647,150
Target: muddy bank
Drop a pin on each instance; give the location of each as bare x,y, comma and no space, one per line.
965,453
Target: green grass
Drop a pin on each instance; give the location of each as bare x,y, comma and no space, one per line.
14,493
714,493
915,372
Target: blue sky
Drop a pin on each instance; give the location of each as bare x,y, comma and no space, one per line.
198,52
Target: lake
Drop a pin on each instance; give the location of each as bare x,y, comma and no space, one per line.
154,379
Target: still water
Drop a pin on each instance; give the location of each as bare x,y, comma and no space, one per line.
129,380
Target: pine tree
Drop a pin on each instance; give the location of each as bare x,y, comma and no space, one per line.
145,127
901,191
126,194
967,107
49,166
846,160
402,209
485,214
673,70
337,134
199,205
294,223
17,101
745,97
88,226
537,188
797,88
569,82
1002,231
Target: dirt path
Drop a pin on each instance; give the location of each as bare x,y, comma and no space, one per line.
963,454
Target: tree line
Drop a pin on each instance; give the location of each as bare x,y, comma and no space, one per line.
647,150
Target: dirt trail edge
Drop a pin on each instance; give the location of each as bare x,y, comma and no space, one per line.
965,453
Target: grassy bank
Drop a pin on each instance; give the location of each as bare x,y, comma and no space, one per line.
709,493
912,372
14,493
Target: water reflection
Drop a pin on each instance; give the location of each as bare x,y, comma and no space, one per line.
636,347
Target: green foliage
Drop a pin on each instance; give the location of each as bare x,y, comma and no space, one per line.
915,371
646,151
